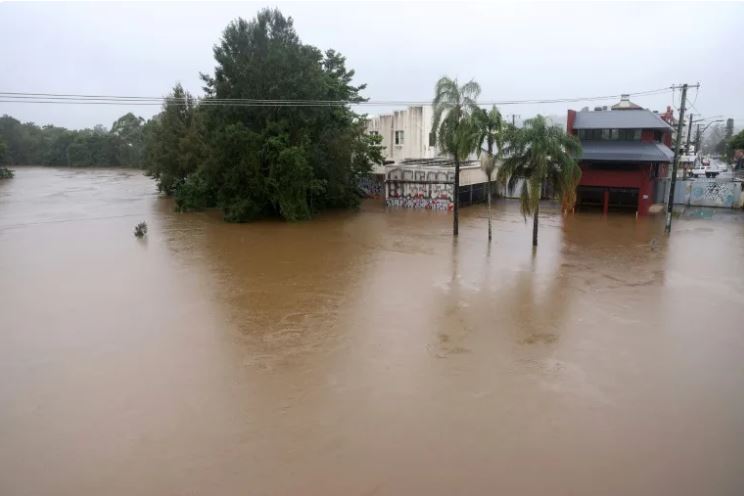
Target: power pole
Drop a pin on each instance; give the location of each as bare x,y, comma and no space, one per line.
689,134
697,140
675,163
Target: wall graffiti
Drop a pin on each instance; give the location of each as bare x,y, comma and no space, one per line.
372,185
710,193
420,187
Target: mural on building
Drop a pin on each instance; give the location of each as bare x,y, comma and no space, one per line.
418,187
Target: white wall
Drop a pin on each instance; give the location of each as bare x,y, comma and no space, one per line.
415,122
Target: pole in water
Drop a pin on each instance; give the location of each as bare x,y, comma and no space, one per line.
675,163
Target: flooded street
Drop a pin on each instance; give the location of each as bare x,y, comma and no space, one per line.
362,353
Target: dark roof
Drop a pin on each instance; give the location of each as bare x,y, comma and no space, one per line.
619,119
625,151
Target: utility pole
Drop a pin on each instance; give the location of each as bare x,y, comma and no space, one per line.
697,140
689,134
677,144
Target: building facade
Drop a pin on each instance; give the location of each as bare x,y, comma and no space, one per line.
406,134
415,174
626,155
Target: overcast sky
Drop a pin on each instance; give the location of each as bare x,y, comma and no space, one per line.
515,51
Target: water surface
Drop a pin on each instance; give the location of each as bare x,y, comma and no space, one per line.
362,352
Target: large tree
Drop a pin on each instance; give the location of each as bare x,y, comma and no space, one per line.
280,137
539,155
173,141
490,130
454,106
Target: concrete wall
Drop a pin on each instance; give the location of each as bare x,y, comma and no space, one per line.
419,187
709,193
415,122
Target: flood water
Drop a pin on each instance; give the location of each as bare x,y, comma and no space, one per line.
362,353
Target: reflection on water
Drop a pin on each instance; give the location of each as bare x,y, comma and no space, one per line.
363,352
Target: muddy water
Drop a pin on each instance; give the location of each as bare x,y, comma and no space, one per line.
362,353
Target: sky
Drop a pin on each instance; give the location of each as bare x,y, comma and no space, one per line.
515,51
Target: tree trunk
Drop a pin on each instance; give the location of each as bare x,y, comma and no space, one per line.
488,193
456,194
534,225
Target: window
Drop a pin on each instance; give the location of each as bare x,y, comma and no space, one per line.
374,133
630,135
610,134
658,136
432,139
399,137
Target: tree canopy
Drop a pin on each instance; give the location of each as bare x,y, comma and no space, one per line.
264,159
30,144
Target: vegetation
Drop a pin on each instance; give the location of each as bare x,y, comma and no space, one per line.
264,159
452,124
541,155
490,129
140,229
5,173
29,144
736,142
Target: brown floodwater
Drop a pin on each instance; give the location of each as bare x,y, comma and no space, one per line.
363,352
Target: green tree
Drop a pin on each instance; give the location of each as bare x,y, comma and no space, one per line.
452,124
540,154
128,135
274,159
490,130
174,141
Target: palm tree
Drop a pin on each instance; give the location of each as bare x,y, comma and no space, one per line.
541,154
453,108
490,129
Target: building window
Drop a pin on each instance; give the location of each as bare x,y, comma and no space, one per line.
658,136
432,139
399,137
630,135
374,133
610,134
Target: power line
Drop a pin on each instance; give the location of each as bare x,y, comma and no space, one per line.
73,99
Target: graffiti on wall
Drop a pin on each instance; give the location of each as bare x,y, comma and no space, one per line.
372,185
420,187
713,194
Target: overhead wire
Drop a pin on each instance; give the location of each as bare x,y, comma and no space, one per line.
72,99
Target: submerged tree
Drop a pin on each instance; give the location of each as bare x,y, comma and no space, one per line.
540,154
454,106
490,130
275,151
173,141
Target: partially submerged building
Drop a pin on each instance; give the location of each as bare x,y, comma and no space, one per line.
416,174
625,158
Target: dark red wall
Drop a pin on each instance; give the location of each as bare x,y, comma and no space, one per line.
570,122
625,176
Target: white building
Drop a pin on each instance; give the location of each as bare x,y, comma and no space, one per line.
406,134
416,175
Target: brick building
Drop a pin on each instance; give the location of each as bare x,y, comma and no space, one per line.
626,152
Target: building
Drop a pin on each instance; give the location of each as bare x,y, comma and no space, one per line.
625,158
406,134
415,174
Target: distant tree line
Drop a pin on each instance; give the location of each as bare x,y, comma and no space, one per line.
263,160
30,144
